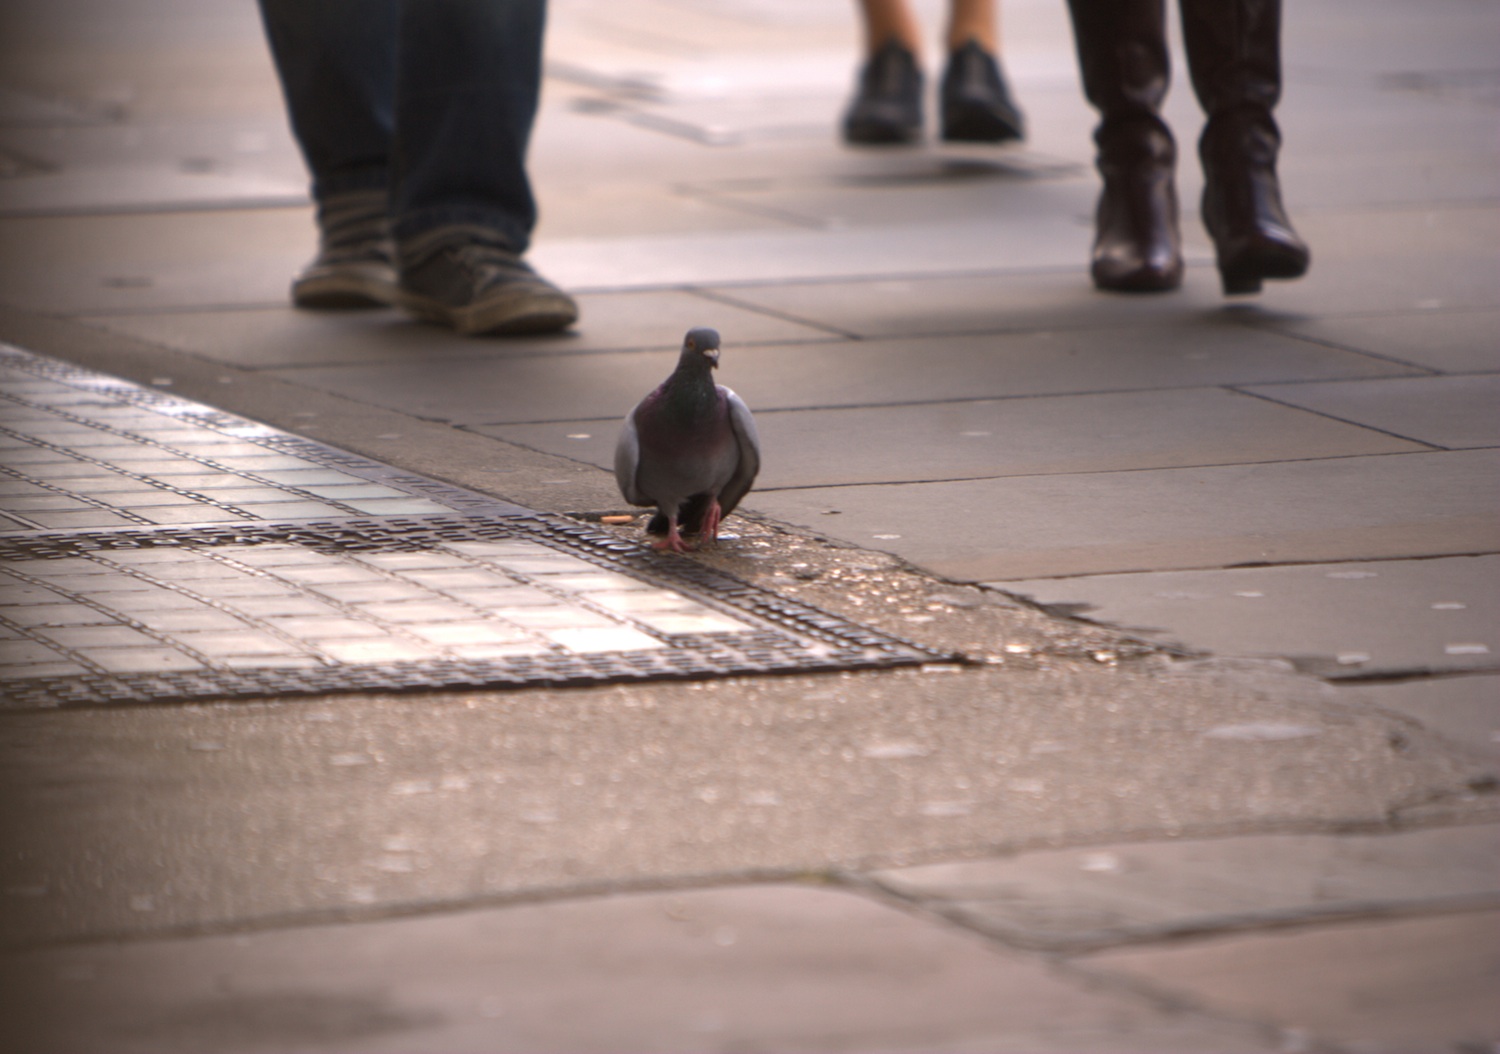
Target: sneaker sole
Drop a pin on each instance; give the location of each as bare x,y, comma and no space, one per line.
527,313
345,289
881,133
976,123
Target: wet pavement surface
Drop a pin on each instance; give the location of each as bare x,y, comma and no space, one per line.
1135,682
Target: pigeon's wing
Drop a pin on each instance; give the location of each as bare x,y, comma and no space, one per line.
747,439
628,460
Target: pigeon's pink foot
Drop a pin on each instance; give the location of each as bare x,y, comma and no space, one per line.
672,543
711,519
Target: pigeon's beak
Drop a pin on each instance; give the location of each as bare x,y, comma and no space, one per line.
712,355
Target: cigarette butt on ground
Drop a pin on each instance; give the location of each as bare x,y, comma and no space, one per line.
616,519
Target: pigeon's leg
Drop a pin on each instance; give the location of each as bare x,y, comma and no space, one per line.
673,542
711,517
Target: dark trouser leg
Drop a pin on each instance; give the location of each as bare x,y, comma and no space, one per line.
468,82
1122,54
1234,56
336,60
337,63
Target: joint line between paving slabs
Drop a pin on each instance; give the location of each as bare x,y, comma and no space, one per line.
231,511
17,476
78,657
1431,447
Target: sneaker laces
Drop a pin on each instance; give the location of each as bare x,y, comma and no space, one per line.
485,261
354,228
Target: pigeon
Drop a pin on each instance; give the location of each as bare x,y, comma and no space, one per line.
689,448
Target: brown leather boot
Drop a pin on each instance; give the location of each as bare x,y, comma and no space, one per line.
1122,54
1234,55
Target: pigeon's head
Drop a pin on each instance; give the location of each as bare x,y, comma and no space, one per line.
701,345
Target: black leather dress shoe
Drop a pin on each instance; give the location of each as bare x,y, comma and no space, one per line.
976,105
887,106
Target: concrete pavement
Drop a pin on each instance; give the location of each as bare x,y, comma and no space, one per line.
1216,770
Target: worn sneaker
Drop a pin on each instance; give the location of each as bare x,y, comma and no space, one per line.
355,265
475,287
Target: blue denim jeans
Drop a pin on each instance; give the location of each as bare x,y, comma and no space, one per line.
431,100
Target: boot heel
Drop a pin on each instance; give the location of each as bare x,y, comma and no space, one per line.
1242,268
1240,284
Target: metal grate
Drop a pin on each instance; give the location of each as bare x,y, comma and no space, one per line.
183,582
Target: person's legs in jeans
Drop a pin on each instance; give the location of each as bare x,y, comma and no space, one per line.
467,84
414,117
337,64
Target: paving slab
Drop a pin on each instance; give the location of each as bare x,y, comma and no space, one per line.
280,336
1075,899
1330,113
1038,239
731,183
1347,619
1448,341
1011,437
498,389
163,58
152,261
783,968
144,187
1401,39
1449,412
553,790
1448,262
914,190
1383,987
1445,169
529,387
624,210
1465,710
592,117
55,134
97,445
732,33
1355,508
989,302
